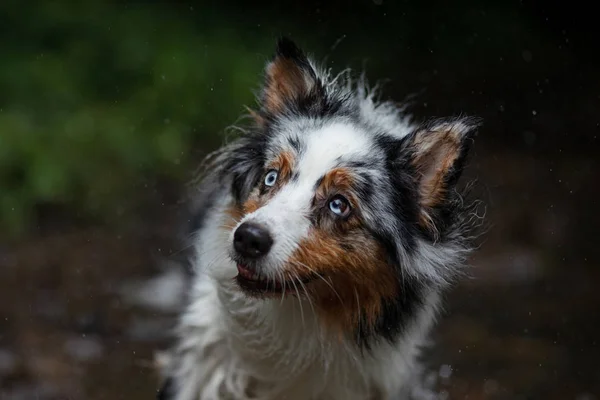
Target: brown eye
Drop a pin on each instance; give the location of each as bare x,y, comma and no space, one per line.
339,206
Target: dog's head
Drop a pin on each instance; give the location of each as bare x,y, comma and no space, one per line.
339,199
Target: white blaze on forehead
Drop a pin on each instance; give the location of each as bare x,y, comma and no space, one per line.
325,146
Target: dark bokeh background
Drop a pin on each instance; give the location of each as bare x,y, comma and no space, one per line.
106,108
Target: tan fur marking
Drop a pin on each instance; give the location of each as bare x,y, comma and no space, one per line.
237,213
354,277
285,81
252,205
284,164
339,179
436,153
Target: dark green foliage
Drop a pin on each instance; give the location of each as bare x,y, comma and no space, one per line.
93,97
99,99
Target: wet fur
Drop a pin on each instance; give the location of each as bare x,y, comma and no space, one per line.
367,287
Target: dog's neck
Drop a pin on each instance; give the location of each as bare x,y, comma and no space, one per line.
287,335
286,328
277,341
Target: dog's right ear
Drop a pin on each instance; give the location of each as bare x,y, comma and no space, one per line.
289,77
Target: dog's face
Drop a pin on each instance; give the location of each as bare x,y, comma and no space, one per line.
310,219
335,203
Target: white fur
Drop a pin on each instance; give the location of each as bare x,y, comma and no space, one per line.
231,342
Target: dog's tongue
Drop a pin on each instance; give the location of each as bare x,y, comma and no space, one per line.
245,271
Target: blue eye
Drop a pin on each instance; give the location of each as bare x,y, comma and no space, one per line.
339,206
271,178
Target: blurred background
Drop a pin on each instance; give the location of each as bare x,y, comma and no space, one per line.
106,109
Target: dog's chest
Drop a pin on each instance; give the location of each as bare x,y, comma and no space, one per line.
281,355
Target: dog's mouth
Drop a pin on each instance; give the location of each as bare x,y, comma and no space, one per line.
257,283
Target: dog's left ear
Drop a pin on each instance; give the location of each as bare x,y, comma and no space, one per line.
437,154
289,77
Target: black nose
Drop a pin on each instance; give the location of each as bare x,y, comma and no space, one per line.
252,240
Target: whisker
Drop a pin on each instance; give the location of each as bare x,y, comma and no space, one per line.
282,278
322,278
307,295
213,261
299,302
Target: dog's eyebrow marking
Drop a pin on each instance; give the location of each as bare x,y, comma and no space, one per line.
339,178
284,163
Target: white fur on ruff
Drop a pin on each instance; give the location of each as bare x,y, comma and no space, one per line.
235,347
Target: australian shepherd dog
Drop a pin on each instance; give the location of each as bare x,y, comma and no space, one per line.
325,235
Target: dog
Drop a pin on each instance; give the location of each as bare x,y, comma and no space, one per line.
324,237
